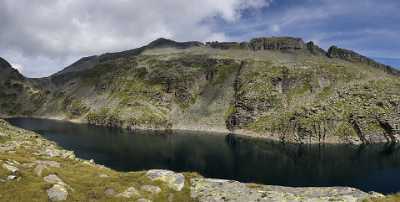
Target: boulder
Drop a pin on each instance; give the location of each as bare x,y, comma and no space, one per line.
216,190
129,193
175,181
39,170
57,193
11,177
109,192
53,179
10,168
151,189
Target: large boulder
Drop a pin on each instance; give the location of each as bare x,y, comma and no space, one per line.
175,181
57,193
205,190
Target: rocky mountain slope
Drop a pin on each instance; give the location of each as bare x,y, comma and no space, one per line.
278,87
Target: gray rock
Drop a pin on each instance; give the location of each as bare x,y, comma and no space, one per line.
103,176
109,192
175,181
143,200
39,170
206,190
129,193
53,179
57,193
11,177
53,164
10,168
151,189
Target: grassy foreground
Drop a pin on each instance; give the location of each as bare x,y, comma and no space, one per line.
87,181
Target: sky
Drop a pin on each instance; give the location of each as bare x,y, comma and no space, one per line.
41,37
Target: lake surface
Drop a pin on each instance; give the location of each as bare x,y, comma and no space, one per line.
369,168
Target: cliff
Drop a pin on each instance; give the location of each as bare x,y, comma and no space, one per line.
335,52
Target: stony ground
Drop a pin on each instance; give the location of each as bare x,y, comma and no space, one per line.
34,169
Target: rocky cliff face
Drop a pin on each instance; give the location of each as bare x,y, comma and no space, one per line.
276,87
276,43
335,52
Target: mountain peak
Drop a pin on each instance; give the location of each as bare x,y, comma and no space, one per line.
168,43
7,71
4,64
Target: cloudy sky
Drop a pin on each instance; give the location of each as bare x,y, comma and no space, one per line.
40,37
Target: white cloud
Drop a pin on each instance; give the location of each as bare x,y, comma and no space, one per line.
18,67
58,30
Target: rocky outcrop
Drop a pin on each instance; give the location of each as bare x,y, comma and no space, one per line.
351,56
206,190
277,43
315,50
175,181
227,45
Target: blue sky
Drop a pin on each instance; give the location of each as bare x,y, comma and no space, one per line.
40,37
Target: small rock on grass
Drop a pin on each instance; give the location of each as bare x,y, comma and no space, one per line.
129,193
151,189
11,177
39,170
143,200
57,193
109,192
10,168
53,179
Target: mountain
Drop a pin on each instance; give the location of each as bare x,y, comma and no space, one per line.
277,87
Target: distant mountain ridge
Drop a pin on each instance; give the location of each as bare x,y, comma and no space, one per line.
256,44
278,87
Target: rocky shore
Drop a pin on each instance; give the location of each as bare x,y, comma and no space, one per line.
35,169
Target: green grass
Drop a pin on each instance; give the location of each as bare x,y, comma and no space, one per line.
390,198
82,177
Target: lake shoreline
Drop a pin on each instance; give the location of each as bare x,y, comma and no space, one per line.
237,132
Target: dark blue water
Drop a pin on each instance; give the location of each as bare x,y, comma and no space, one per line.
370,168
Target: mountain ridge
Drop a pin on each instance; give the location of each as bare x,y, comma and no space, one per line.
274,87
255,44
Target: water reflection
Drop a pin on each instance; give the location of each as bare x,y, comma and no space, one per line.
371,168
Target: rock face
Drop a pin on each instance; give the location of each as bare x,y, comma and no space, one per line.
227,45
206,190
276,43
335,52
316,50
